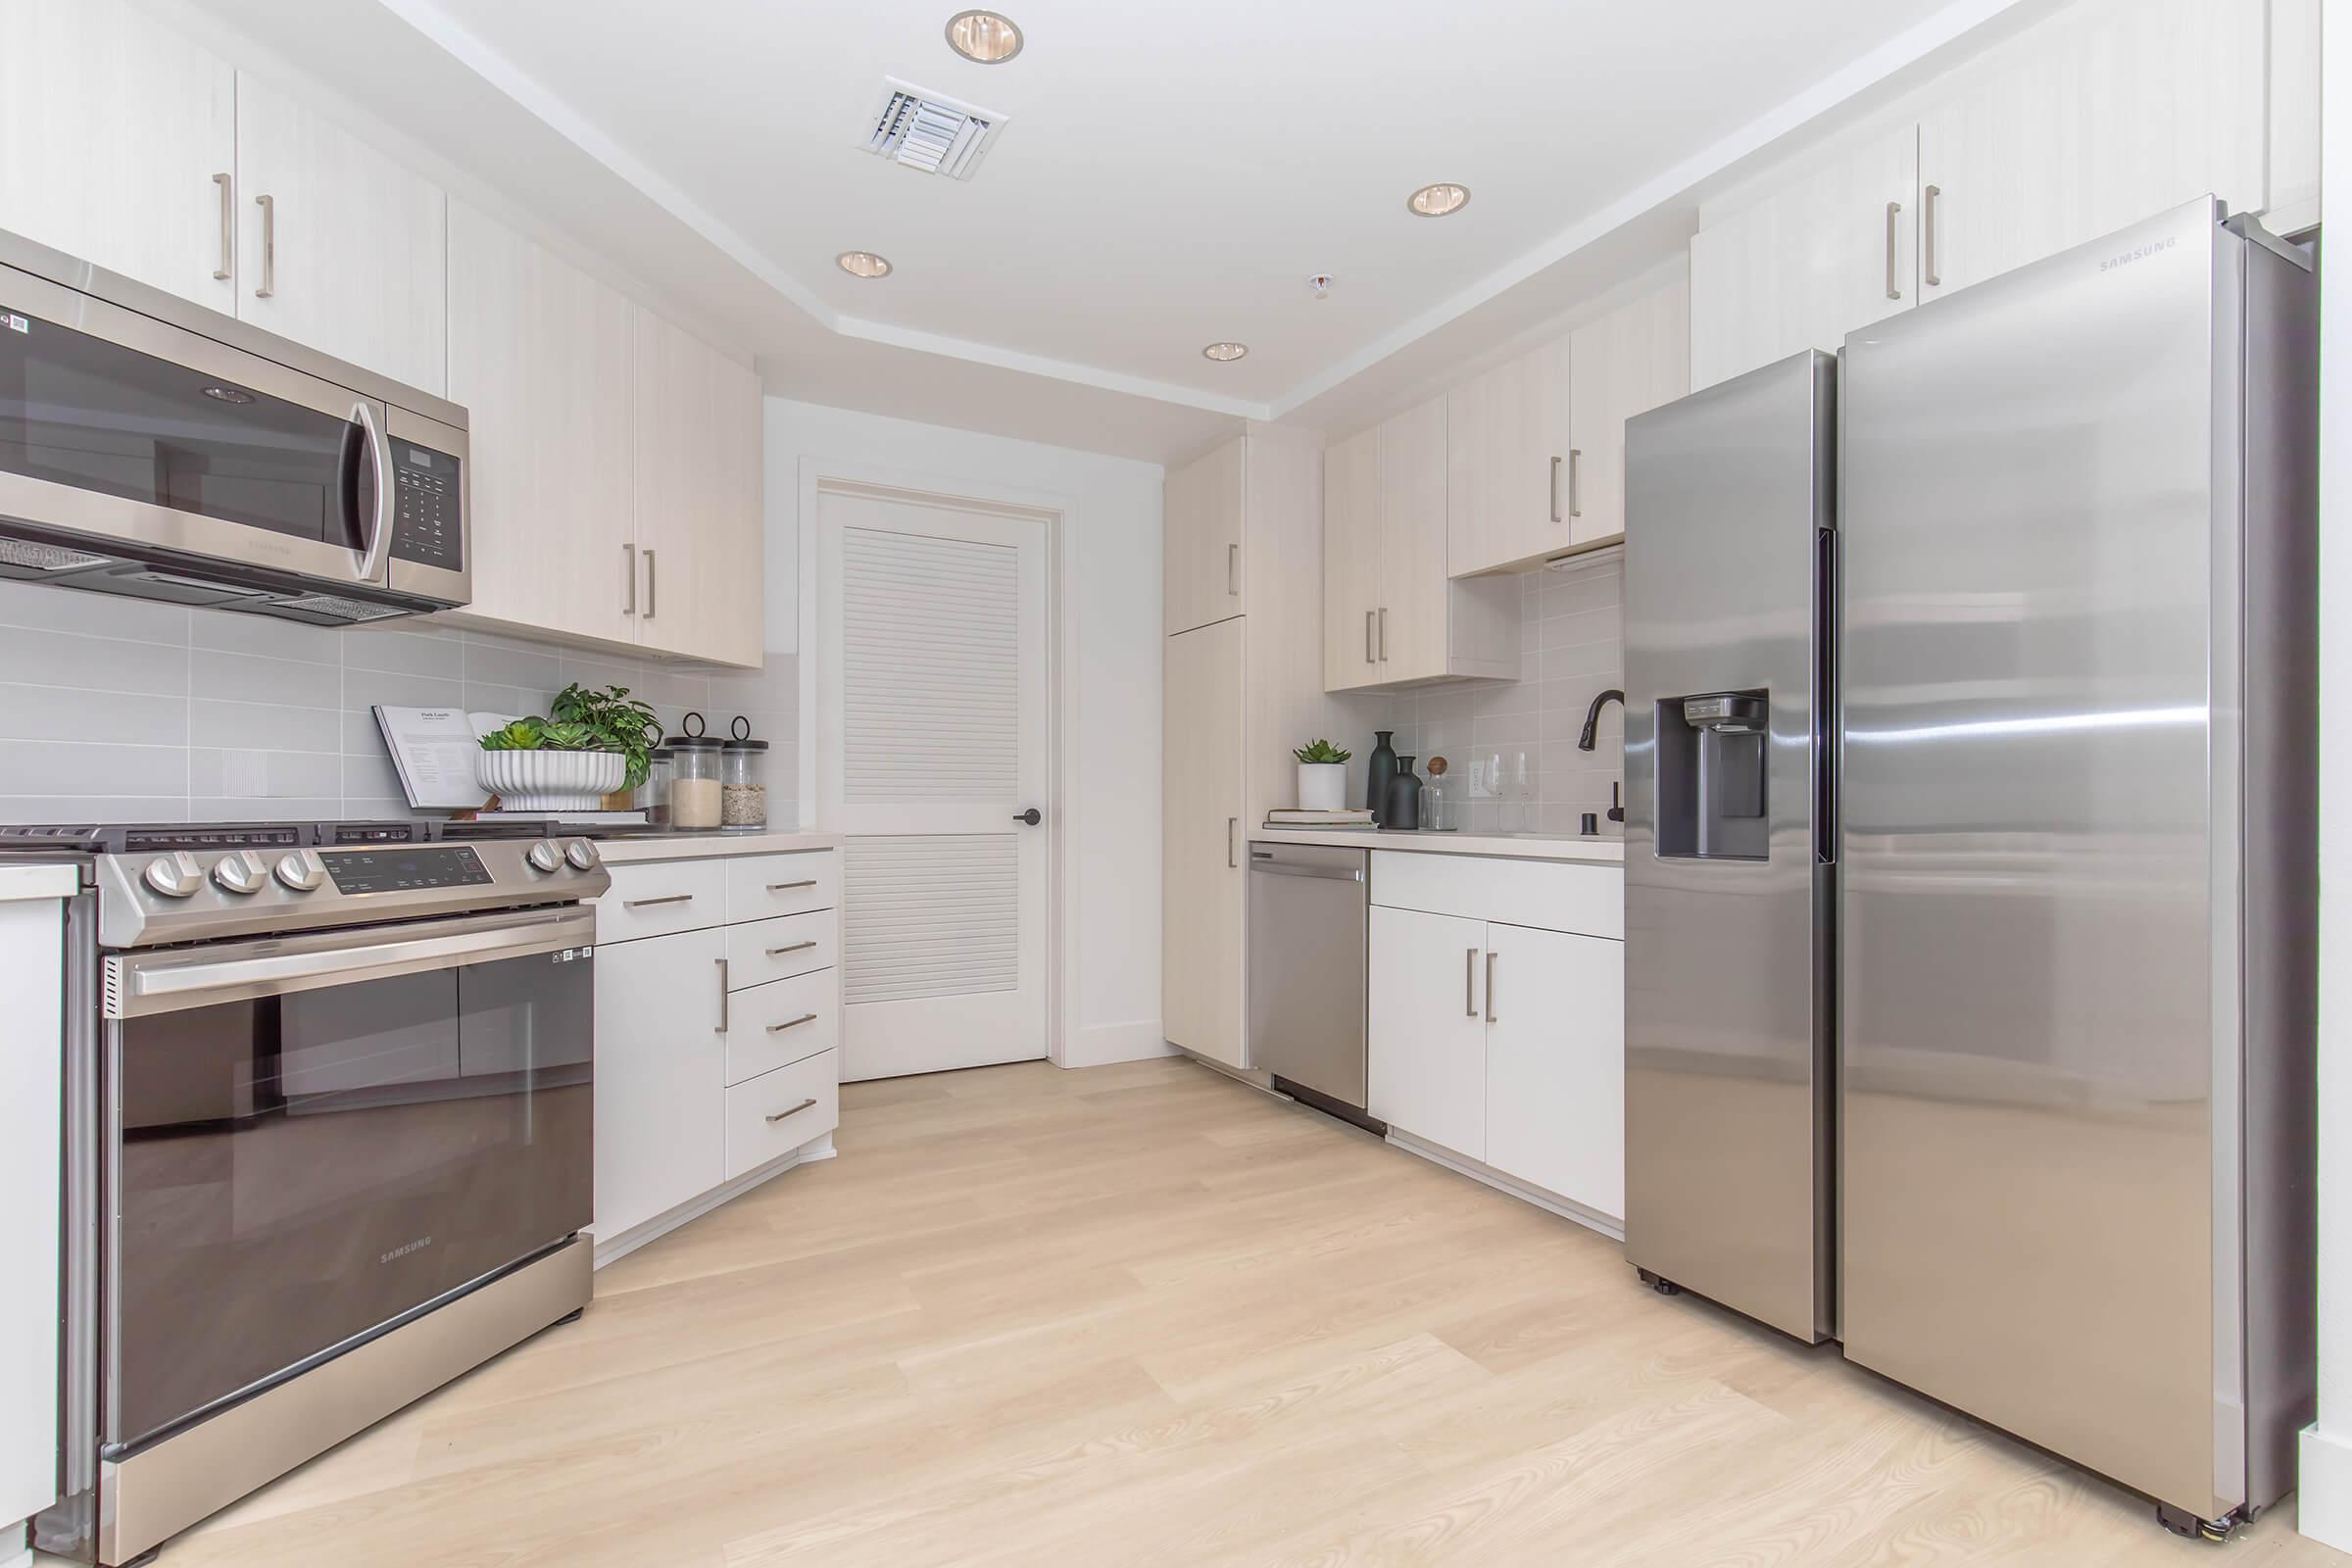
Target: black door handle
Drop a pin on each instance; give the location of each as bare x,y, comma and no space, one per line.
1032,816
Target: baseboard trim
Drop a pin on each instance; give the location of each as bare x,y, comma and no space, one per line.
1463,1166
1137,1040
661,1225
2324,1488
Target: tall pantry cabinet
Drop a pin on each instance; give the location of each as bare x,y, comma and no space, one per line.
1243,673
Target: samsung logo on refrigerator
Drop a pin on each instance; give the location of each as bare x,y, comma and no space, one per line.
2137,254
417,1246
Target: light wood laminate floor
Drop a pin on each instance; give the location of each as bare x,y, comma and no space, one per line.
1141,1316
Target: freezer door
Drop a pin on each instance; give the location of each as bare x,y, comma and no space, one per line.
1728,842
2039,1017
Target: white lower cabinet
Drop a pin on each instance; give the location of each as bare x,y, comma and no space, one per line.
715,1046
1428,1038
659,1063
1555,1063
1499,1043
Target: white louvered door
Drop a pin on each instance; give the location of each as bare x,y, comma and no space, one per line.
931,744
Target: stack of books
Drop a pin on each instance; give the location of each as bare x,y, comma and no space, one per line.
1320,819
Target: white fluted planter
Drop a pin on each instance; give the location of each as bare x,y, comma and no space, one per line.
551,781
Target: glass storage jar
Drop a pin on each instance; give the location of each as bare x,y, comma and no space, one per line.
654,793
743,780
693,787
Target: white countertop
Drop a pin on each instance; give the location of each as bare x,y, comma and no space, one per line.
1519,845
710,845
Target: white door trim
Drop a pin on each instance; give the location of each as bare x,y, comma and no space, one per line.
824,476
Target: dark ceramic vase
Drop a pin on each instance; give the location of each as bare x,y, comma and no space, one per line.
1384,768
1403,814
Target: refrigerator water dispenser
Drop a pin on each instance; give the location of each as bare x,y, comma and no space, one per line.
1710,762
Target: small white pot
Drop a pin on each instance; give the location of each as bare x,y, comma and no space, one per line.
1322,786
551,781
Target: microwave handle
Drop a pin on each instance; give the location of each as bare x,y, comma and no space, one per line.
379,455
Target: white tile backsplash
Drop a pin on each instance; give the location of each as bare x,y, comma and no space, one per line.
114,708
1573,647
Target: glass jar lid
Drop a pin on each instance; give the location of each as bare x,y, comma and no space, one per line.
741,731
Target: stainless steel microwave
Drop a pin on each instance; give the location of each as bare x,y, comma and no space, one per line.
153,448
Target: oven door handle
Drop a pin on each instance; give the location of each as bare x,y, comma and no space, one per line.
142,983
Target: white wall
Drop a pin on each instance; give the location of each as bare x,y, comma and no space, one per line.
1110,650
2327,1472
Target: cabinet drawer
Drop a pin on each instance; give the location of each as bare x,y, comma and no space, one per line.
771,1115
784,1021
665,895
761,886
773,950
1583,898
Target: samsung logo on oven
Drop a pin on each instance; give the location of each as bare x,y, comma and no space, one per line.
403,1251
2139,254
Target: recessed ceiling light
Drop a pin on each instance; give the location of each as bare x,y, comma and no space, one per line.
1222,351
862,264
984,36
1435,201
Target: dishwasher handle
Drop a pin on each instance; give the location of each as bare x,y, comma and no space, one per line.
1268,866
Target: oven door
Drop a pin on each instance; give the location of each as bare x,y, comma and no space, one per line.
309,1135
129,434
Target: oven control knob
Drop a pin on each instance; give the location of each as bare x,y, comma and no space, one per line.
240,871
582,854
543,856
176,875
301,870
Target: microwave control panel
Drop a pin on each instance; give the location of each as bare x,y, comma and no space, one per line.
406,869
427,523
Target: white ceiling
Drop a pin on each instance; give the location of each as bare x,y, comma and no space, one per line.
1167,175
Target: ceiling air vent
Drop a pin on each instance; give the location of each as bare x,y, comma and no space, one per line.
925,131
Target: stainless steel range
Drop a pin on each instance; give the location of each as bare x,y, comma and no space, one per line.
328,1111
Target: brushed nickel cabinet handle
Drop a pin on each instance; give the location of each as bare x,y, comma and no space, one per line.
647,904
1932,278
1232,860
1369,657
1491,957
787,887
722,996
1384,635
267,286
777,1116
791,1023
796,947
1893,211
1576,507
628,578
649,584
1555,489
229,230
1469,982
1233,571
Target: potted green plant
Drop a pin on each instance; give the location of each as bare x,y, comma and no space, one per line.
1322,777
589,744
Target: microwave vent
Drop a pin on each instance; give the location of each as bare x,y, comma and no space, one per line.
927,133
333,609
33,556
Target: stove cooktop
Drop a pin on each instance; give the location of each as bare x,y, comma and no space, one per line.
147,838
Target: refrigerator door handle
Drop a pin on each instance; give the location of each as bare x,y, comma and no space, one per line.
1825,697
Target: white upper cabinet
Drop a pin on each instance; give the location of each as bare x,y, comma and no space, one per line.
1509,452
341,249
701,559
1202,515
1833,250
544,357
119,142
1625,363
1351,562
2110,111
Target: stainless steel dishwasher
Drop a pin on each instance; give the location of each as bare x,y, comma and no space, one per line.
1308,911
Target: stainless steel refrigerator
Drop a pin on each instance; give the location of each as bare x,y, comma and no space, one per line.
2072,810
1728,843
